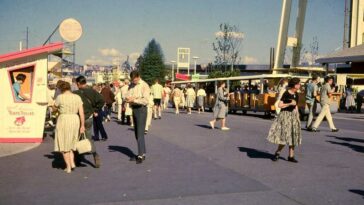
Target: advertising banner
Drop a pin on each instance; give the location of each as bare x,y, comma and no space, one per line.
182,76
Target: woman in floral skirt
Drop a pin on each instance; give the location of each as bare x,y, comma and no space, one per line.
286,128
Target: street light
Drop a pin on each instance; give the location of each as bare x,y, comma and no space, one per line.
173,62
195,58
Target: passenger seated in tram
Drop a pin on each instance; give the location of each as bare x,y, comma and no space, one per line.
271,89
255,90
245,89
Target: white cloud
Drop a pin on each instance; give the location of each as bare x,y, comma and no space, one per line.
133,57
111,56
233,34
250,60
110,52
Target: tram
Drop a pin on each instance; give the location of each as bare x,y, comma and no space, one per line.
258,93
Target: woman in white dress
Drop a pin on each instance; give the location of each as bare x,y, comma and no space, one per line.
190,98
70,123
350,101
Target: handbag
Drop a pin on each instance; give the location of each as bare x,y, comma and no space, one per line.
84,144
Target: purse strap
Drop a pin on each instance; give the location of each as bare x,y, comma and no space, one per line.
82,136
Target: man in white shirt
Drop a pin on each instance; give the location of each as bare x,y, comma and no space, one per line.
138,97
124,90
166,93
119,101
157,92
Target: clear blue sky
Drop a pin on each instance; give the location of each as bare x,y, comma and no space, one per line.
128,25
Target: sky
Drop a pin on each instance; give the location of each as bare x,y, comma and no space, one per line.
113,29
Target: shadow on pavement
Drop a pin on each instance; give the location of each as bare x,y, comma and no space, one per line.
357,191
58,162
253,153
124,150
356,148
348,139
205,126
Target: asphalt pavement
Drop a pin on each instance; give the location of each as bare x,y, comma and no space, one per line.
189,163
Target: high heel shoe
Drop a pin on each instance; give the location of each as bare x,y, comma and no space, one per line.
292,159
68,171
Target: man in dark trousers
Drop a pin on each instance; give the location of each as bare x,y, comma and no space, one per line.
109,98
92,104
138,97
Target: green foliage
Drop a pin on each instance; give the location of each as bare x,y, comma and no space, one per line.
220,74
151,64
225,74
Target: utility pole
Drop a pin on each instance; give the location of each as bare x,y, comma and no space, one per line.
74,56
27,38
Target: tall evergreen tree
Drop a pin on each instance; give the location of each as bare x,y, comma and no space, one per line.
152,63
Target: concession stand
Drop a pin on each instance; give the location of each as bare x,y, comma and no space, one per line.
23,102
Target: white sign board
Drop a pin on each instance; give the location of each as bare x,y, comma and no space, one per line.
183,58
70,30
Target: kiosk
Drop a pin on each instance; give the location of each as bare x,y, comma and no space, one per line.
23,83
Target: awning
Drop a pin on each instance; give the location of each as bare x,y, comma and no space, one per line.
354,54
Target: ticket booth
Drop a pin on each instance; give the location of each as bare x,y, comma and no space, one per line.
23,83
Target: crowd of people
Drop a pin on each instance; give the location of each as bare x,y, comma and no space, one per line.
80,109
76,109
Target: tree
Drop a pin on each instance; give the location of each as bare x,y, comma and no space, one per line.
314,47
152,63
227,46
221,74
138,62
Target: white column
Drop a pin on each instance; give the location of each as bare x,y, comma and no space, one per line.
299,32
195,67
173,72
354,23
282,34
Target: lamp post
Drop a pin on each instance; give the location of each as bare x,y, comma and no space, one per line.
195,58
173,62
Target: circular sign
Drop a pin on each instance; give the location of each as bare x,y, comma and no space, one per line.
70,30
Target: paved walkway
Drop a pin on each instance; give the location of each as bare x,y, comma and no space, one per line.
188,163
7,149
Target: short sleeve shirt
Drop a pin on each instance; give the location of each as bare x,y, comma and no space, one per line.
287,98
325,90
311,88
157,90
201,92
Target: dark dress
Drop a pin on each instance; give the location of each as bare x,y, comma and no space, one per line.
286,128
